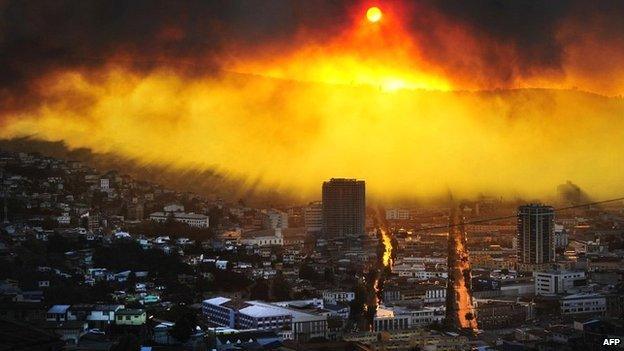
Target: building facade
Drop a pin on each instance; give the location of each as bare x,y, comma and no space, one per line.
583,304
313,217
344,207
557,282
191,219
535,235
260,315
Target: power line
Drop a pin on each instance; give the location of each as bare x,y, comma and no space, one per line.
494,219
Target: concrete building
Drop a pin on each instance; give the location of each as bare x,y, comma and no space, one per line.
386,319
561,237
274,219
313,217
583,304
535,235
191,219
499,314
338,296
260,315
397,214
411,339
558,282
344,207
263,238
426,316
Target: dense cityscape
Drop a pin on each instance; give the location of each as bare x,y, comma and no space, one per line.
97,260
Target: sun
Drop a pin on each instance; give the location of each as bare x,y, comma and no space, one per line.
373,14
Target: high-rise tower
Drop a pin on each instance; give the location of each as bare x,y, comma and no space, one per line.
344,207
535,237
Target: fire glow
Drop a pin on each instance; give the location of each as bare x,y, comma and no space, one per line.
460,312
387,254
368,102
359,56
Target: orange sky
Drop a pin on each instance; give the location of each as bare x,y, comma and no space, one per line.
369,102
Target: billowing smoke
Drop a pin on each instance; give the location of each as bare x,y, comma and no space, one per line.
572,193
476,44
284,94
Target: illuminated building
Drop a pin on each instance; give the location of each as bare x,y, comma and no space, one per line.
344,209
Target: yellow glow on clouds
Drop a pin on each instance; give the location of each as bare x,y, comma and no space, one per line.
293,135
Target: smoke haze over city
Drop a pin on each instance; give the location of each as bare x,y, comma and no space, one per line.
506,98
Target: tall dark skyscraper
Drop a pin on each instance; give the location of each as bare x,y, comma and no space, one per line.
344,209
536,225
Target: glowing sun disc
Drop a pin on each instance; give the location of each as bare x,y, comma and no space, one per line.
373,14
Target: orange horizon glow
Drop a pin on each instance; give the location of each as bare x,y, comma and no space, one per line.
358,56
368,102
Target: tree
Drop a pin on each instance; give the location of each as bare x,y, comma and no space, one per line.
334,322
357,304
307,272
260,290
329,275
127,342
49,223
183,328
281,288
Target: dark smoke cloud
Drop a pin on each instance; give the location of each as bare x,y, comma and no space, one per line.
572,193
38,37
527,27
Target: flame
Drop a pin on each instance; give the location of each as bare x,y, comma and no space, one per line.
387,254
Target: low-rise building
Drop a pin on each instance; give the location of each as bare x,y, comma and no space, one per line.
191,219
238,314
583,304
57,313
498,314
558,282
128,316
333,296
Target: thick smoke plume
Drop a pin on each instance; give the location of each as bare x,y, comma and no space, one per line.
285,94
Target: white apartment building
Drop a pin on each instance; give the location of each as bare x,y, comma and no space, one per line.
261,238
338,296
557,282
386,319
191,219
419,271
274,219
426,316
